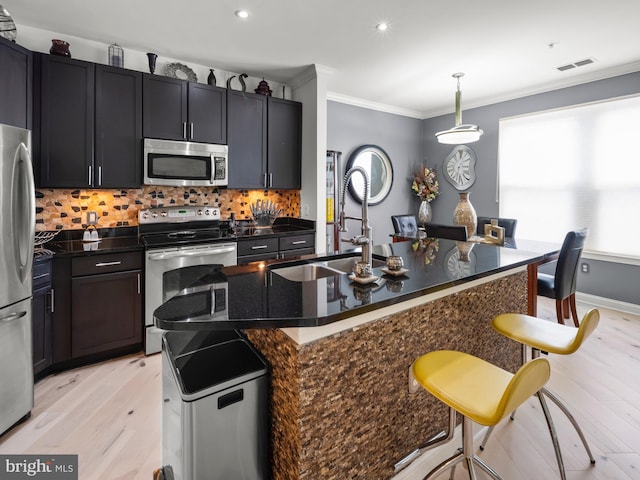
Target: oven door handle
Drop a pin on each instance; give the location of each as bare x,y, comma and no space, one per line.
190,253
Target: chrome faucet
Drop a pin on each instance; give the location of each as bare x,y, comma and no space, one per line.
364,240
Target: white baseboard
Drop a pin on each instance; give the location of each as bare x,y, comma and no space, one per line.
432,458
608,303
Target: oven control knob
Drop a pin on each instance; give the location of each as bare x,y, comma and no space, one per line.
145,215
206,212
199,212
163,214
154,215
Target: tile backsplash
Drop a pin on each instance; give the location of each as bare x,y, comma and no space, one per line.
66,209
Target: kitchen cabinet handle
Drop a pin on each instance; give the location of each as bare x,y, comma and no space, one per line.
264,181
299,242
12,316
108,264
184,130
43,275
53,303
270,180
197,252
138,284
191,128
99,176
90,178
259,247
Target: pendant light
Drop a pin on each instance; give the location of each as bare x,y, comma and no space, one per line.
459,134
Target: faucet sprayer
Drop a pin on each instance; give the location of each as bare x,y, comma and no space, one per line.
365,239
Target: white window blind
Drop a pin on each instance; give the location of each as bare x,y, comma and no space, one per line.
566,169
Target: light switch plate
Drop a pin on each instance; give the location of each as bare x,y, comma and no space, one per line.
92,218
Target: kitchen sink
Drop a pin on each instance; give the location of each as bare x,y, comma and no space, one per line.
306,272
346,264
321,268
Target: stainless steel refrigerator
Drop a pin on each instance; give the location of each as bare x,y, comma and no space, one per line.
17,224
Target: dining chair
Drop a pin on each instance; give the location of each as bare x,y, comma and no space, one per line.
449,232
509,225
562,285
405,225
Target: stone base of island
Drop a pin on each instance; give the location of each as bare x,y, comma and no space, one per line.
340,405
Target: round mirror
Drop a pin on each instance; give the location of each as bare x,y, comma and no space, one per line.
377,164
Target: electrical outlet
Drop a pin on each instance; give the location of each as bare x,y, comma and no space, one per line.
92,218
305,210
585,268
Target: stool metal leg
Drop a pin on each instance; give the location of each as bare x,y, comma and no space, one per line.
554,435
573,421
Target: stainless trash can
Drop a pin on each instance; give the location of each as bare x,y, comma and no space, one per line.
215,407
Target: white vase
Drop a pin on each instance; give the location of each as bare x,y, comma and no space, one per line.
424,212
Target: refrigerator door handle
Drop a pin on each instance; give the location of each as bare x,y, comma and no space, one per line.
12,316
23,199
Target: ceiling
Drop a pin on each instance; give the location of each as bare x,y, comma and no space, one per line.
506,48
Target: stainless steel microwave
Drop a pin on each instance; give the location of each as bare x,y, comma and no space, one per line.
181,164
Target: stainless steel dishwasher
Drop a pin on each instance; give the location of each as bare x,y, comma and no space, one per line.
215,407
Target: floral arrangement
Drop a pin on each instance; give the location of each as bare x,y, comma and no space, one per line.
427,248
425,183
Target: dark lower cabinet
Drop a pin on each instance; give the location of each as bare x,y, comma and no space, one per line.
97,306
15,84
41,314
106,312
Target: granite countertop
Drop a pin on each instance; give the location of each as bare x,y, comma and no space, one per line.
258,297
123,239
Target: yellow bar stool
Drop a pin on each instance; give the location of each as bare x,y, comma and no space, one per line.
542,335
480,391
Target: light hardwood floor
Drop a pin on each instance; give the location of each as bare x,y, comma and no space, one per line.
109,414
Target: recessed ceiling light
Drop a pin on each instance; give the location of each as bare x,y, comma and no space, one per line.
242,14
382,26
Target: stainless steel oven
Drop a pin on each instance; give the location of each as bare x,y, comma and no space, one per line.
177,238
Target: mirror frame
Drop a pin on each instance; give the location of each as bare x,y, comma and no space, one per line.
386,164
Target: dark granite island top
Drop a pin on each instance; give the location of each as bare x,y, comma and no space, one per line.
340,405
258,297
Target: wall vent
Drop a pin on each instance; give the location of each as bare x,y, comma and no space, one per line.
579,63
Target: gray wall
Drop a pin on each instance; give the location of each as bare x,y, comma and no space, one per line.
605,279
349,127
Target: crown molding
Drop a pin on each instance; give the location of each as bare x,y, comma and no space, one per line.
380,107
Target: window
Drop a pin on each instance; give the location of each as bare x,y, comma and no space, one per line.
580,166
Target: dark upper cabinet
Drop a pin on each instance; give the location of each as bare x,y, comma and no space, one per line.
247,136
118,128
66,122
264,141
284,143
207,114
164,108
15,84
178,110
90,119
